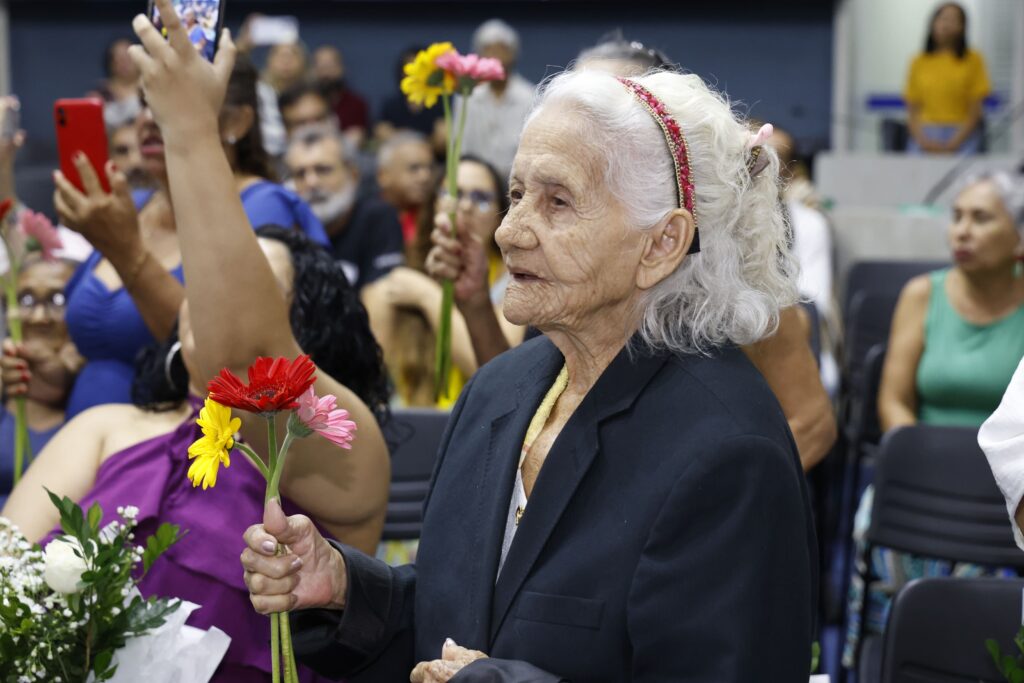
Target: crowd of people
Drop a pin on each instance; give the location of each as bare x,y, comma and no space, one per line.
639,273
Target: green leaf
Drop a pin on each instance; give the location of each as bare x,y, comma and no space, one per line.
164,537
1017,676
95,516
993,650
816,655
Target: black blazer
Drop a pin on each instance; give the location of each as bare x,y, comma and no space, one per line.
668,537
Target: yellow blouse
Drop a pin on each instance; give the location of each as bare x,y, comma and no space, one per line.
945,87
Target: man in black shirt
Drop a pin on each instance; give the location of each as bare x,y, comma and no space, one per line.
366,237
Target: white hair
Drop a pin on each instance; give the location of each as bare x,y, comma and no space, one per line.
495,32
732,291
1010,188
386,153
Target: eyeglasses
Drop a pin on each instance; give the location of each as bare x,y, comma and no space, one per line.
54,304
482,201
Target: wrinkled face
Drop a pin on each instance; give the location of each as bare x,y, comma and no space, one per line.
286,62
408,175
982,235
478,201
948,26
503,53
280,260
566,239
307,109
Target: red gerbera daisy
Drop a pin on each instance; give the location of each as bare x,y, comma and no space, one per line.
274,384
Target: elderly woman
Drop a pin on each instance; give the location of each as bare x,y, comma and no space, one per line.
619,499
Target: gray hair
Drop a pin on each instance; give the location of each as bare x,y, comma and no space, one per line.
1008,185
495,32
733,290
386,153
314,133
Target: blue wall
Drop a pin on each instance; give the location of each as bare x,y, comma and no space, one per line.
774,59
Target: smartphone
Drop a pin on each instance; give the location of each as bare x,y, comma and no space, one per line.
203,20
12,121
80,128
273,30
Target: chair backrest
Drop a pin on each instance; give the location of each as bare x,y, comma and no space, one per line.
414,435
938,627
883,277
864,421
935,496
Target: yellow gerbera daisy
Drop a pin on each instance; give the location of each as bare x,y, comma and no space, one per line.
424,81
214,447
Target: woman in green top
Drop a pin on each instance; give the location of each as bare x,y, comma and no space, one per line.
957,337
958,334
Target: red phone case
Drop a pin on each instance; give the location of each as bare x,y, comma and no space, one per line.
80,128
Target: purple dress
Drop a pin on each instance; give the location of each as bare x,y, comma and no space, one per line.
203,567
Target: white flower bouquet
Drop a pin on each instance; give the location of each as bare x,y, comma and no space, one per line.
66,612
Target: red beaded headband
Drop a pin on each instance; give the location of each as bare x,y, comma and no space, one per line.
676,147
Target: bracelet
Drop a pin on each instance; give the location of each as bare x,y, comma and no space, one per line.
133,274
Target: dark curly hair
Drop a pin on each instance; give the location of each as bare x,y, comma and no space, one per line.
327,319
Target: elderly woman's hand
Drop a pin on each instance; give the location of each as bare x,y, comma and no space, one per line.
183,90
310,574
108,220
461,258
453,659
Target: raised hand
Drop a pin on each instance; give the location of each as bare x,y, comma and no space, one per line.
108,220
184,91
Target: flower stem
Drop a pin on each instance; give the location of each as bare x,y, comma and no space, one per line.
443,349
275,649
21,441
254,459
272,449
273,488
287,652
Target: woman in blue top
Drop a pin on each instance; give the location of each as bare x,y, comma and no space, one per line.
127,294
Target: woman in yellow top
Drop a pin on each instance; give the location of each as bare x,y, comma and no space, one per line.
945,88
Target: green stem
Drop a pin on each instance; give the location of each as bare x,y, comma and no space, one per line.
443,349
272,449
273,488
254,459
275,649
21,442
287,652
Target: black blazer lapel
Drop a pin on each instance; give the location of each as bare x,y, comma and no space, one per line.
497,471
564,468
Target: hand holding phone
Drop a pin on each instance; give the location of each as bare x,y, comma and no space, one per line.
203,21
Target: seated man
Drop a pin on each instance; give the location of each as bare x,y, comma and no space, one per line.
365,234
405,174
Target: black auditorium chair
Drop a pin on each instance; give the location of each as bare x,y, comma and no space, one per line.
414,435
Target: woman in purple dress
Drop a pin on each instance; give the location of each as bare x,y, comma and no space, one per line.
121,455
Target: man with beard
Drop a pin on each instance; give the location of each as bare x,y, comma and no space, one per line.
366,237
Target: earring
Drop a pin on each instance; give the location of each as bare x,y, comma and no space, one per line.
230,139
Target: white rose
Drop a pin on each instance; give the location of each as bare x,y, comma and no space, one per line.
63,568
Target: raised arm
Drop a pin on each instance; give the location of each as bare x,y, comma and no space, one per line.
237,309
111,224
897,395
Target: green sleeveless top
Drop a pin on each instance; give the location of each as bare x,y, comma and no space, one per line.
965,368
